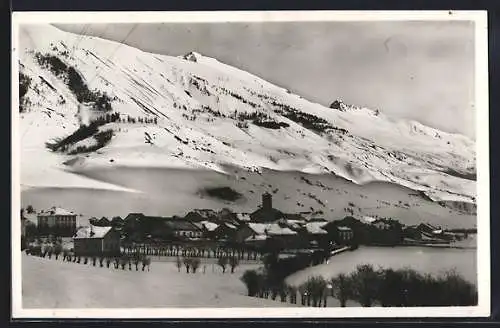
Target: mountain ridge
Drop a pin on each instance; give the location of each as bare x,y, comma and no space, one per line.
208,113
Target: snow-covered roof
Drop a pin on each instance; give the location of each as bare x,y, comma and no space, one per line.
428,226
380,221
256,238
258,228
344,228
294,224
181,225
230,225
369,219
295,221
315,227
210,226
243,216
203,212
199,225
92,232
31,217
56,211
316,219
270,229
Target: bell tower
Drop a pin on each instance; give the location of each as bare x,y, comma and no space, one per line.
267,201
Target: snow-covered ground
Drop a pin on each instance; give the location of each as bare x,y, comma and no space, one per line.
185,94
56,284
50,284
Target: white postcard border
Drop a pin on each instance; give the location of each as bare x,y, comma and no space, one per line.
482,144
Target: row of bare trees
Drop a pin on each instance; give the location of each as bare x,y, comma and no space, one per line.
192,263
201,252
370,287
124,261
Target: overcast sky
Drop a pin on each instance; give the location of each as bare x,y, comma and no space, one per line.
416,70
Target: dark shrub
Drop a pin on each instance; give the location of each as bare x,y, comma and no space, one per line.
224,193
335,104
365,282
341,288
251,280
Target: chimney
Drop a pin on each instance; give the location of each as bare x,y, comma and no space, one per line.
267,201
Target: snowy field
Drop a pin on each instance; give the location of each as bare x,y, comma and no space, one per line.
56,284
48,284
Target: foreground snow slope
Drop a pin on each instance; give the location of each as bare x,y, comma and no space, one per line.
52,283
204,113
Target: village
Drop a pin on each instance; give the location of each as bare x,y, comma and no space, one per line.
207,233
276,244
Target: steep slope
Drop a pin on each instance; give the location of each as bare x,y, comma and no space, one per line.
195,112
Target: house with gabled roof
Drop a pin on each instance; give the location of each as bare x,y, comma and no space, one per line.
203,214
225,231
183,229
58,221
272,233
95,241
140,226
243,217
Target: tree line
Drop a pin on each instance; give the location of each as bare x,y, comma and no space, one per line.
192,264
369,287
122,261
24,84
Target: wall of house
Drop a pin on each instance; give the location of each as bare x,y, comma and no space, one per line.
88,246
189,233
289,241
243,233
59,225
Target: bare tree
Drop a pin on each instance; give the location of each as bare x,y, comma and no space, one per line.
233,262
57,249
341,288
222,262
187,264
195,264
146,262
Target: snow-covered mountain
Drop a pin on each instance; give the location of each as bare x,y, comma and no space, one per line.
196,112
